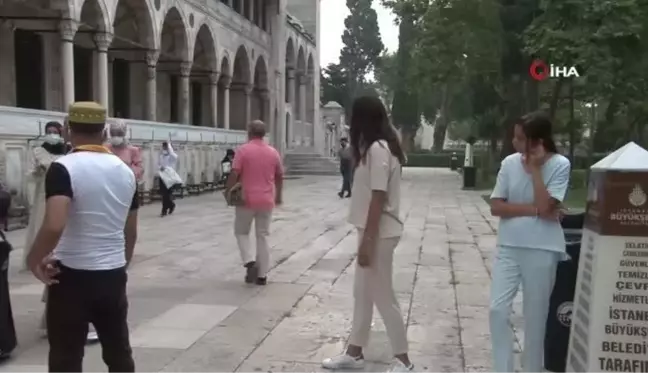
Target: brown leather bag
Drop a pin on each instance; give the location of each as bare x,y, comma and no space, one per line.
234,195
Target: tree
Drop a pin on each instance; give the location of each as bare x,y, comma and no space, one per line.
362,46
334,84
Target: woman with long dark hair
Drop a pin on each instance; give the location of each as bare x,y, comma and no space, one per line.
375,200
527,197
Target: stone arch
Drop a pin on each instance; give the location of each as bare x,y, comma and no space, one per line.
133,24
261,73
90,36
204,79
204,50
241,72
134,40
224,83
174,67
300,89
241,90
310,94
261,94
225,66
94,14
290,71
290,53
174,41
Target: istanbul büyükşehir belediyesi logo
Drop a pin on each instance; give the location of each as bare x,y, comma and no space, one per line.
540,70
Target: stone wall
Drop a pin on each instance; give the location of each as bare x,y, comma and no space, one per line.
200,149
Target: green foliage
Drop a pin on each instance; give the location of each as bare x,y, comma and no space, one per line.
464,65
334,84
360,55
362,42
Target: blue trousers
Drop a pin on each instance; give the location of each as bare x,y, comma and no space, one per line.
535,270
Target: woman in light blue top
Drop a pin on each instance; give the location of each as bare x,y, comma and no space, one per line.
530,188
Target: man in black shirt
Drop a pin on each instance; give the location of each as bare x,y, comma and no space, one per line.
90,227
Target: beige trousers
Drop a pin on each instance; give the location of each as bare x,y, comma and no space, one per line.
242,226
373,285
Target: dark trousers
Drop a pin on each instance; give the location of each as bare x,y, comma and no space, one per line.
167,198
82,297
346,180
7,329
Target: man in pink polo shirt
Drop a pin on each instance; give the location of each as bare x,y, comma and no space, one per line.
257,166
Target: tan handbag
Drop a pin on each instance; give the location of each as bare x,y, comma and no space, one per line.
234,195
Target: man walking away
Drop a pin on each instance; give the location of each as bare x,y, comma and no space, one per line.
346,167
257,166
168,159
90,225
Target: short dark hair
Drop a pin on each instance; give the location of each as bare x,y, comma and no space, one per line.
164,143
87,128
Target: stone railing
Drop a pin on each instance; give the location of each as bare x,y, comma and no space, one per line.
200,149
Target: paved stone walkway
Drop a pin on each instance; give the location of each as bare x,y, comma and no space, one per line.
190,311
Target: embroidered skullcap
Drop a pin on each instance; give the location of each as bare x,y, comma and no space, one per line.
118,125
87,112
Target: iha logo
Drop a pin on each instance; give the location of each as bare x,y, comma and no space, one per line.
540,70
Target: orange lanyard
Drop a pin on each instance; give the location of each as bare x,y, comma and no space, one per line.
92,148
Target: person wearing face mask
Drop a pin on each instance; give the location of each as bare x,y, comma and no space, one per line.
128,153
531,185
53,147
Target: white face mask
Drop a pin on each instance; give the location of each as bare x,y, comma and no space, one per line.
53,138
117,140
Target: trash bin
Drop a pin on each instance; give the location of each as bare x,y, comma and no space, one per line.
454,162
561,303
8,339
469,177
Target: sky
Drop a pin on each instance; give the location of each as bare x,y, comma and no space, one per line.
332,15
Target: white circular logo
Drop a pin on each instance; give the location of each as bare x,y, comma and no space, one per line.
564,313
637,197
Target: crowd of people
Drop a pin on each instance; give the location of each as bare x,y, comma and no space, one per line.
83,230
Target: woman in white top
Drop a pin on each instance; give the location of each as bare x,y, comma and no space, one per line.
375,200
527,197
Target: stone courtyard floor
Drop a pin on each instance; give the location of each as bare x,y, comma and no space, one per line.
191,311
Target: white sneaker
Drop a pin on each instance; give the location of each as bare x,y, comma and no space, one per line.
92,336
399,367
343,362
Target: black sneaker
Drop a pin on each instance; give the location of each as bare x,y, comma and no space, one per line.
172,209
341,195
252,271
261,281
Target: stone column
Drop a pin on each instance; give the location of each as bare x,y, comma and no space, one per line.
252,10
247,91
103,41
183,99
151,84
68,29
213,99
303,82
226,83
265,109
290,88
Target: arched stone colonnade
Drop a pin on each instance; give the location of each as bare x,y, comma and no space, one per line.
169,70
299,96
